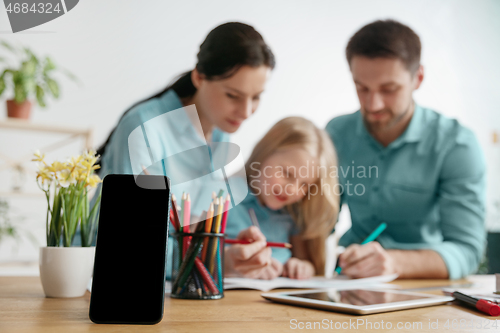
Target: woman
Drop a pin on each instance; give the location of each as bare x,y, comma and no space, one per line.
234,63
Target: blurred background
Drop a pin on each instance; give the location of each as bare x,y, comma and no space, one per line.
124,51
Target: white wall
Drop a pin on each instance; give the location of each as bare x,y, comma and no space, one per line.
124,51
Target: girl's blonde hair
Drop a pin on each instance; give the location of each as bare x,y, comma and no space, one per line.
315,215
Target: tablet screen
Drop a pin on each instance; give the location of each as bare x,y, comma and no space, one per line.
359,297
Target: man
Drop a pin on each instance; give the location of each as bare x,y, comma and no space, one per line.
421,173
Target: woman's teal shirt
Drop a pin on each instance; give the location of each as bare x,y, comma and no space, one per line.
172,135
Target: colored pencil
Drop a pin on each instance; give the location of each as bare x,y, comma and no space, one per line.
215,229
172,219
174,211
269,244
208,258
186,285
208,228
218,221
205,275
219,266
181,210
253,217
197,282
186,212
224,217
368,239
187,265
200,226
216,210
192,271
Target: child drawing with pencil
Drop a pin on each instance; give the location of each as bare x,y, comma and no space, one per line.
292,191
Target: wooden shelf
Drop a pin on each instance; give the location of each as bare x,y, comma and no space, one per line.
27,125
6,162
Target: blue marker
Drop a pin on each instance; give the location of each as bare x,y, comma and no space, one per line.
368,239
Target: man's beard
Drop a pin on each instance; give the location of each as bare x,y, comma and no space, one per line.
378,126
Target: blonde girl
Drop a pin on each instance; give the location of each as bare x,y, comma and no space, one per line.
292,181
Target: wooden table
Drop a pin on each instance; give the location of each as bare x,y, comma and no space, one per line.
24,308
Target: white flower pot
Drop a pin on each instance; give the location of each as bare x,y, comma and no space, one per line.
66,271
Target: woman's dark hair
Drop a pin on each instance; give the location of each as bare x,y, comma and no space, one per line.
386,39
225,49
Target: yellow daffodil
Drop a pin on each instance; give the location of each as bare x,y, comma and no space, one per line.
38,156
66,178
74,175
76,169
94,180
74,161
90,154
57,167
44,173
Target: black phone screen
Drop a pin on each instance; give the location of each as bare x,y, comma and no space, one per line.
128,285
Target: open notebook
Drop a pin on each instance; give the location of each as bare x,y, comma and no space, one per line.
314,283
286,283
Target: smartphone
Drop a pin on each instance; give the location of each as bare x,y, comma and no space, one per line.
128,285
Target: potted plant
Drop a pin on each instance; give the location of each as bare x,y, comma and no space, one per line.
65,270
33,78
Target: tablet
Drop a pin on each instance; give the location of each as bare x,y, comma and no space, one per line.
356,300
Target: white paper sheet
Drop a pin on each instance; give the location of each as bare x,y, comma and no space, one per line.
314,283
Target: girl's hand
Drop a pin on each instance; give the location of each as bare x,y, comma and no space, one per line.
249,260
272,271
298,269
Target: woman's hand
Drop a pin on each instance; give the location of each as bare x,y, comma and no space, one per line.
298,269
250,260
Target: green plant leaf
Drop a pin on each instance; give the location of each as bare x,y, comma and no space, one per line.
20,94
28,68
49,65
2,85
40,94
53,87
31,55
8,47
70,75
30,84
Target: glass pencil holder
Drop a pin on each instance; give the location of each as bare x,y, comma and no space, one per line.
198,266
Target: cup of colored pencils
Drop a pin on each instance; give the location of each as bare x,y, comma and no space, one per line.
198,255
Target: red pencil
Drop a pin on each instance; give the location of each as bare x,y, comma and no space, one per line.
174,223
177,223
206,276
269,244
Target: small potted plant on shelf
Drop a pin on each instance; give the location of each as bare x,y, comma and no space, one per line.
65,270
33,78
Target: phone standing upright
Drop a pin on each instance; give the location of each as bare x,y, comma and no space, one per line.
128,285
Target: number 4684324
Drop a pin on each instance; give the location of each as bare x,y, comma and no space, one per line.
40,7
471,324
